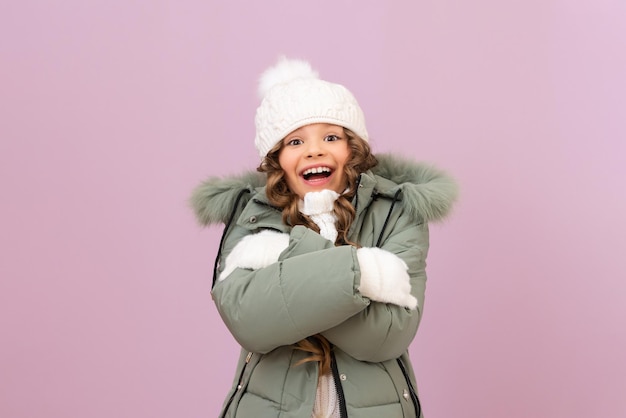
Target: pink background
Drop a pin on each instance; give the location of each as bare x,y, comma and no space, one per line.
112,111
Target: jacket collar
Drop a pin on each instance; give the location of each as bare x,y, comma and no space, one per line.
262,214
427,193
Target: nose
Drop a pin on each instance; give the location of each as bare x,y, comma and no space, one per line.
315,149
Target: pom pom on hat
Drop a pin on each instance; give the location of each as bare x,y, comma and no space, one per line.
293,96
284,71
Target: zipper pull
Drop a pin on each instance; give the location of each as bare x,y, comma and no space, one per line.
240,384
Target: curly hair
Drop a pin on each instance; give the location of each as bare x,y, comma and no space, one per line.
279,195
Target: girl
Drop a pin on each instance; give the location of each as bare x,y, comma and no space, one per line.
320,273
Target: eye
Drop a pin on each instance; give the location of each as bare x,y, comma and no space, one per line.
331,138
294,141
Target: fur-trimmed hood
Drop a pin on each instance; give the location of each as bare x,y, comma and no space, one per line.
427,192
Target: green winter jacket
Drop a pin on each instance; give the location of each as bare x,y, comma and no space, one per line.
313,289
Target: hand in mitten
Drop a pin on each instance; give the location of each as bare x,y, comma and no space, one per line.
255,251
319,206
384,277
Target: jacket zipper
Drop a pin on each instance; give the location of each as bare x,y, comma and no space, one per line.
343,411
239,385
414,398
356,191
231,218
382,231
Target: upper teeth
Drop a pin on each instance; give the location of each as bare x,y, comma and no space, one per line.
316,170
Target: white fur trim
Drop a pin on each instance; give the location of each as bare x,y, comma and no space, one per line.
384,277
255,251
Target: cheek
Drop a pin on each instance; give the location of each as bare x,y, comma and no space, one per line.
286,163
343,160
345,156
289,167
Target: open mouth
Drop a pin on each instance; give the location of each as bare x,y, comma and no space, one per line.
316,173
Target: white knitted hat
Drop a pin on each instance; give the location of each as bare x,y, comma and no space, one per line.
293,96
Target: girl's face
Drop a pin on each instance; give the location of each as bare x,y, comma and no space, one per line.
313,158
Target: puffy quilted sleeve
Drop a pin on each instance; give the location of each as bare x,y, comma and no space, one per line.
384,331
311,288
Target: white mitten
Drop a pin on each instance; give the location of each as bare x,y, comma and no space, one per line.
319,206
384,277
255,251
